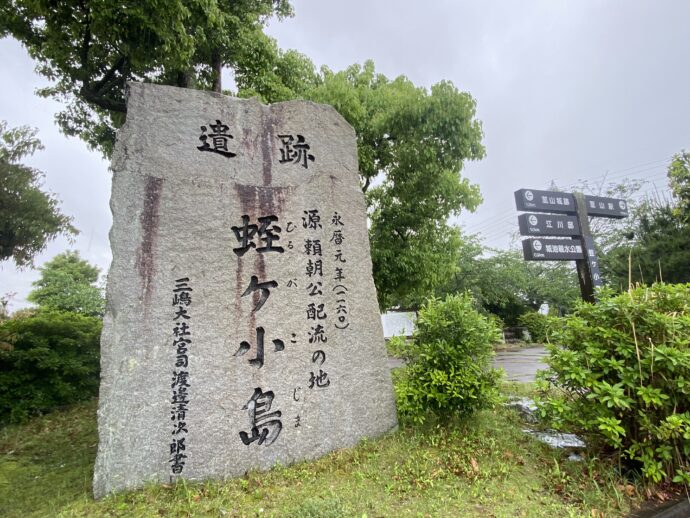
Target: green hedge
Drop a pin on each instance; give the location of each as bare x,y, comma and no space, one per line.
621,375
47,360
449,361
538,325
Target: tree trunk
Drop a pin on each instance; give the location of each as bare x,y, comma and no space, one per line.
185,78
217,65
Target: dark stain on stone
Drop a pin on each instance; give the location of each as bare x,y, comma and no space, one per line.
260,269
238,282
270,118
260,272
255,202
249,142
149,220
266,147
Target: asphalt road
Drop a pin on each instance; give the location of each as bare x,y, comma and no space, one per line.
520,365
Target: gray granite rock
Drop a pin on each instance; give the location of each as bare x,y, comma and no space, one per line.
556,439
209,210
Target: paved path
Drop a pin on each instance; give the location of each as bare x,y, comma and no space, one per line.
395,362
522,364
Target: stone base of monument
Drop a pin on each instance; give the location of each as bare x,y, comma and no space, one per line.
242,328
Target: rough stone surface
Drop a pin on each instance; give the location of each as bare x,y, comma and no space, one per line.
525,406
174,208
558,440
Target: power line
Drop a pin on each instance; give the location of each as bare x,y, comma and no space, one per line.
493,235
486,224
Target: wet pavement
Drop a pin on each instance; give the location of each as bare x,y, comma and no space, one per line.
522,364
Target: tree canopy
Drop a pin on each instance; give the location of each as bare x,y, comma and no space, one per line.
659,252
679,181
655,245
90,49
29,217
68,283
47,359
412,145
506,285
413,142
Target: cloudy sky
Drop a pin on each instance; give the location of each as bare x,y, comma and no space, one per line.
565,90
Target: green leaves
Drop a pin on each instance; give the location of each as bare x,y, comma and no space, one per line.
679,179
613,396
449,371
611,428
537,324
47,359
67,283
90,49
412,145
621,374
29,217
658,245
508,286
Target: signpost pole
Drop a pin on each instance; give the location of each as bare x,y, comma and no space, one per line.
554,223
584,272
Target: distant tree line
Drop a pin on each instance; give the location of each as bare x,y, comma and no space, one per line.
50,355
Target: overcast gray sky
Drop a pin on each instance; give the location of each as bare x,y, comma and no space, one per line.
565,91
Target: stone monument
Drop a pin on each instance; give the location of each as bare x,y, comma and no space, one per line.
241,327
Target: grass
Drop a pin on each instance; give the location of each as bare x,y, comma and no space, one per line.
483,467
47,463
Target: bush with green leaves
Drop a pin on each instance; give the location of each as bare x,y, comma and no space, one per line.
449,362
496,320
537,324
48,359
396,346
620,374
68,283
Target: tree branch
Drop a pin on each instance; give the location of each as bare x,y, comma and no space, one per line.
101,101
86,40
94,92
107,79
367,182
400,235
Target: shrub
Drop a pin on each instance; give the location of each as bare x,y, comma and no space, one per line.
396,346
622,377
537,324
449,371
47,360
497,322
